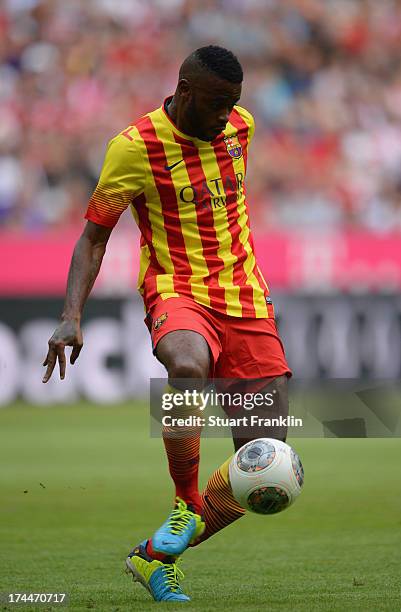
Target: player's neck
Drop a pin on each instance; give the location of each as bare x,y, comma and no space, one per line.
177,118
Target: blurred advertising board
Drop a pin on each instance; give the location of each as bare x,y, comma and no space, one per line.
292,261
326,336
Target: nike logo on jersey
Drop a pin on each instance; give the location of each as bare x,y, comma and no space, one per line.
173,165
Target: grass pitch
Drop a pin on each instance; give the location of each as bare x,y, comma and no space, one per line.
81,485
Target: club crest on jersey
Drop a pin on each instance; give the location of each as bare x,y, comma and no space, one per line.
160,320
233,146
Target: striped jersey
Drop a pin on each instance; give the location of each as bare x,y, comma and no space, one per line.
189,201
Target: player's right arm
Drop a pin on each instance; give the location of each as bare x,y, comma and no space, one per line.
122,179
84,268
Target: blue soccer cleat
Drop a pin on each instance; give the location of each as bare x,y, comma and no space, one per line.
181,528
160,579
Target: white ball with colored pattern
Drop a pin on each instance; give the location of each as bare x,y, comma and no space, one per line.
266,476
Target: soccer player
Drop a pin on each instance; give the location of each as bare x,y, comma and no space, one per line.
181,169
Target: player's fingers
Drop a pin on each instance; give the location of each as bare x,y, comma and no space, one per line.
61,359
75,352
50,361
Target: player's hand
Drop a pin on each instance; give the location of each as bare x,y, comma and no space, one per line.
68,333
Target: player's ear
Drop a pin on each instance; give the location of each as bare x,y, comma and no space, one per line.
184,88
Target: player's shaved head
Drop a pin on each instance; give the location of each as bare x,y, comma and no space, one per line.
191,69
209,85
212,59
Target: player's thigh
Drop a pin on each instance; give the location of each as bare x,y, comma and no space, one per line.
252,349
184,338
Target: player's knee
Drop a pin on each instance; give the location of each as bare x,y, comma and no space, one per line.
280,407
187,367
279,387
272,415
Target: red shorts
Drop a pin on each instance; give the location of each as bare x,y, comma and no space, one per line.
240,347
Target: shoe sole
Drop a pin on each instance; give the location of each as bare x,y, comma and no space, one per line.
136,576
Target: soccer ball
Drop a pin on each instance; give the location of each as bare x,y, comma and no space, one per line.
266,476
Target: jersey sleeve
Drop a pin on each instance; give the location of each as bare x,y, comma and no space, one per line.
121,180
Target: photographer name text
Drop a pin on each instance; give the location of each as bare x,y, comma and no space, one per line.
244,421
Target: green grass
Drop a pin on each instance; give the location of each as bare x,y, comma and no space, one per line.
105,485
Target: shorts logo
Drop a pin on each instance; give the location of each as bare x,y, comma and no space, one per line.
160,320
233,146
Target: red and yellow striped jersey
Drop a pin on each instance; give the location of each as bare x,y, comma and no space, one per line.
188,199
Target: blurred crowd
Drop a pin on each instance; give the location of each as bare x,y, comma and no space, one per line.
322,78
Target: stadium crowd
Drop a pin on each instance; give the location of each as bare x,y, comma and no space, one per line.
322,78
